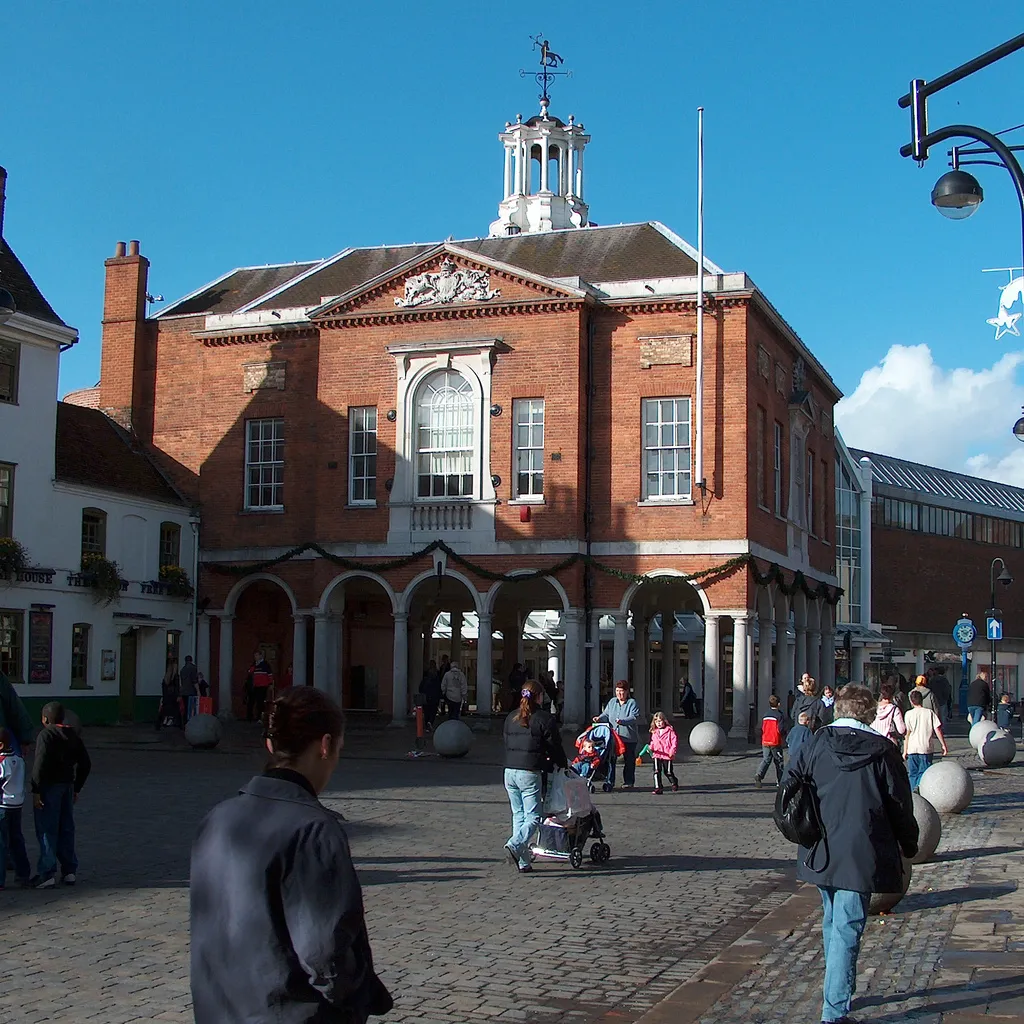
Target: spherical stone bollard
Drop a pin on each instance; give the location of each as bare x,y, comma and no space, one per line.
204,732
707,739
980,731
226,715
999,749
883,902
929,826
947,787
453,738
72,722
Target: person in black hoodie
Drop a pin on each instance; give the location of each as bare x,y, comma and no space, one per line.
867,811
533,746
59,771
278,934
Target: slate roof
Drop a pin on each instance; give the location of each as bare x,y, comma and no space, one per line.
94,451
236,289
622,252
942,485
16,279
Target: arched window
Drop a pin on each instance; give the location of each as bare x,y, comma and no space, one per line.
445,436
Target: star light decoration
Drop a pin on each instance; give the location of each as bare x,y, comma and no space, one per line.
1005,323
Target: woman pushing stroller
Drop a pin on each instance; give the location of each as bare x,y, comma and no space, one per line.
533,746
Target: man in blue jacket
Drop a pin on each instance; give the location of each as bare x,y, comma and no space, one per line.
622,713
867,811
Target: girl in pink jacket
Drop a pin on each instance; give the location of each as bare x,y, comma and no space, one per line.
664,744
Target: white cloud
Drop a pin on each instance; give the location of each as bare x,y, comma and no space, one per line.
959,419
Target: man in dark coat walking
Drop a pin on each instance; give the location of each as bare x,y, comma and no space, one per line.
868,815
979,697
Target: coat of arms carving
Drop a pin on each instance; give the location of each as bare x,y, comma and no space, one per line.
448,284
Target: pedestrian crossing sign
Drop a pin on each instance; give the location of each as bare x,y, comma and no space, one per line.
994,628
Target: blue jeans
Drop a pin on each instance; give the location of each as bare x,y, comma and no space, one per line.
524,794
628,766
917,765
12,846
974,714
844,914
55,830
770,756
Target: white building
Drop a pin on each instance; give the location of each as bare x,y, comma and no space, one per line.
74,488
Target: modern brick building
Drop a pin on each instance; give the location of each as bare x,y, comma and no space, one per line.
532,400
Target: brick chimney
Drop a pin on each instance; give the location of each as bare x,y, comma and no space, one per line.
124,357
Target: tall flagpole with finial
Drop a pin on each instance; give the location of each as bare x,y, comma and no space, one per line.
698,410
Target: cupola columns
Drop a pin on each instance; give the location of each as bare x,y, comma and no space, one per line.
551,198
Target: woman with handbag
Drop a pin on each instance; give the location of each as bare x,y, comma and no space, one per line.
888,717
533,746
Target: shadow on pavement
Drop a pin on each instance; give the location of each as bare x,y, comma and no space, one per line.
983,851
972,996
915,901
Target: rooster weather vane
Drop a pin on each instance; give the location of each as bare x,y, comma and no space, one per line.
549,60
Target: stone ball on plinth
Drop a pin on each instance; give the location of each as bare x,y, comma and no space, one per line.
947,787
707,739
203,732
980,731
72,722
929,827
883,902
453,738
226,715
999,749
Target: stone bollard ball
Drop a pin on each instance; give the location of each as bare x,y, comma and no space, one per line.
707,739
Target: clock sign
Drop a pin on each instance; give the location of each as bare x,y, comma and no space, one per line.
964,633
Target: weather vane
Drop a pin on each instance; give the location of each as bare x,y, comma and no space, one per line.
549,60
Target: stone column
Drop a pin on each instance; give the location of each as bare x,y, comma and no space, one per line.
641,649
299,650
574,712
784,682
320,626
520,644
712,656
620,659
203,646
828,658
800,652
545,184
695,648
400,670
455,618
764,664
594,660
668,662
508,171
857,659
814,656
225,663
484,666
741,691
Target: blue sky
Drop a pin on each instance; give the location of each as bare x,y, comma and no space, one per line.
226,133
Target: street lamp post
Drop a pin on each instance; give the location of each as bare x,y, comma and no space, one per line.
1006,579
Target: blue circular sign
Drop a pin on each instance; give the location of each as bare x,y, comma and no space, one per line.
964,633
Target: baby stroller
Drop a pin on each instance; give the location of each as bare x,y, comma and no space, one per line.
564,836
594,749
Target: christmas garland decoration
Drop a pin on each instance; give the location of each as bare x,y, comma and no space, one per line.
713,574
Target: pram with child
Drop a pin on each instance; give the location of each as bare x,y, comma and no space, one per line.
571,820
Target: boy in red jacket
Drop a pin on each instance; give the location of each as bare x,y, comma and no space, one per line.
773,732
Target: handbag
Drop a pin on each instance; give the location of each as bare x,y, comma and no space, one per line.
797,815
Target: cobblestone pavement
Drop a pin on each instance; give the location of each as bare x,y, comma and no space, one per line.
457,935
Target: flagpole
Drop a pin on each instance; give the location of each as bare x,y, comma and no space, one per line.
698,465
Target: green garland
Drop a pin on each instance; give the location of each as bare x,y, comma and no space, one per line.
707,576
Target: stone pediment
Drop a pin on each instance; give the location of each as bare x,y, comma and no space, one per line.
444,280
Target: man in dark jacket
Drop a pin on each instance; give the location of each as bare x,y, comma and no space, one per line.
59,771
430,690
979,697
868,815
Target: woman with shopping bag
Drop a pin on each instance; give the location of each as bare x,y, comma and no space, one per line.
533,746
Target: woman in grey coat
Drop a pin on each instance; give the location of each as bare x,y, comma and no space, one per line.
278,935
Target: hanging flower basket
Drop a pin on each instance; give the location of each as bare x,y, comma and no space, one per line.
176,580
13,557
104,577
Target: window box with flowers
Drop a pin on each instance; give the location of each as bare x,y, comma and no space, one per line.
13,557
175,580
102,575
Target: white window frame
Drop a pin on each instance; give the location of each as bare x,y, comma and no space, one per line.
528,420
777,467
362,436
666,444
10,356
269,471
7,507
453,440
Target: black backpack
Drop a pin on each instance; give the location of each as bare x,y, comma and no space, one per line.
798,814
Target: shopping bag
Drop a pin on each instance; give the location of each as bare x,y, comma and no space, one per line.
556,799
206,705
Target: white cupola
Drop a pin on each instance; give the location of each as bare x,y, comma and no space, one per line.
543,175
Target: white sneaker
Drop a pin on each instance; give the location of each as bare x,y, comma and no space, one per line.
69,879
47,883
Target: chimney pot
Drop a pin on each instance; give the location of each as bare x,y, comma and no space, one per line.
133,247
119,249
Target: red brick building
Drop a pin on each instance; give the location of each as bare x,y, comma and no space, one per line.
531,400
